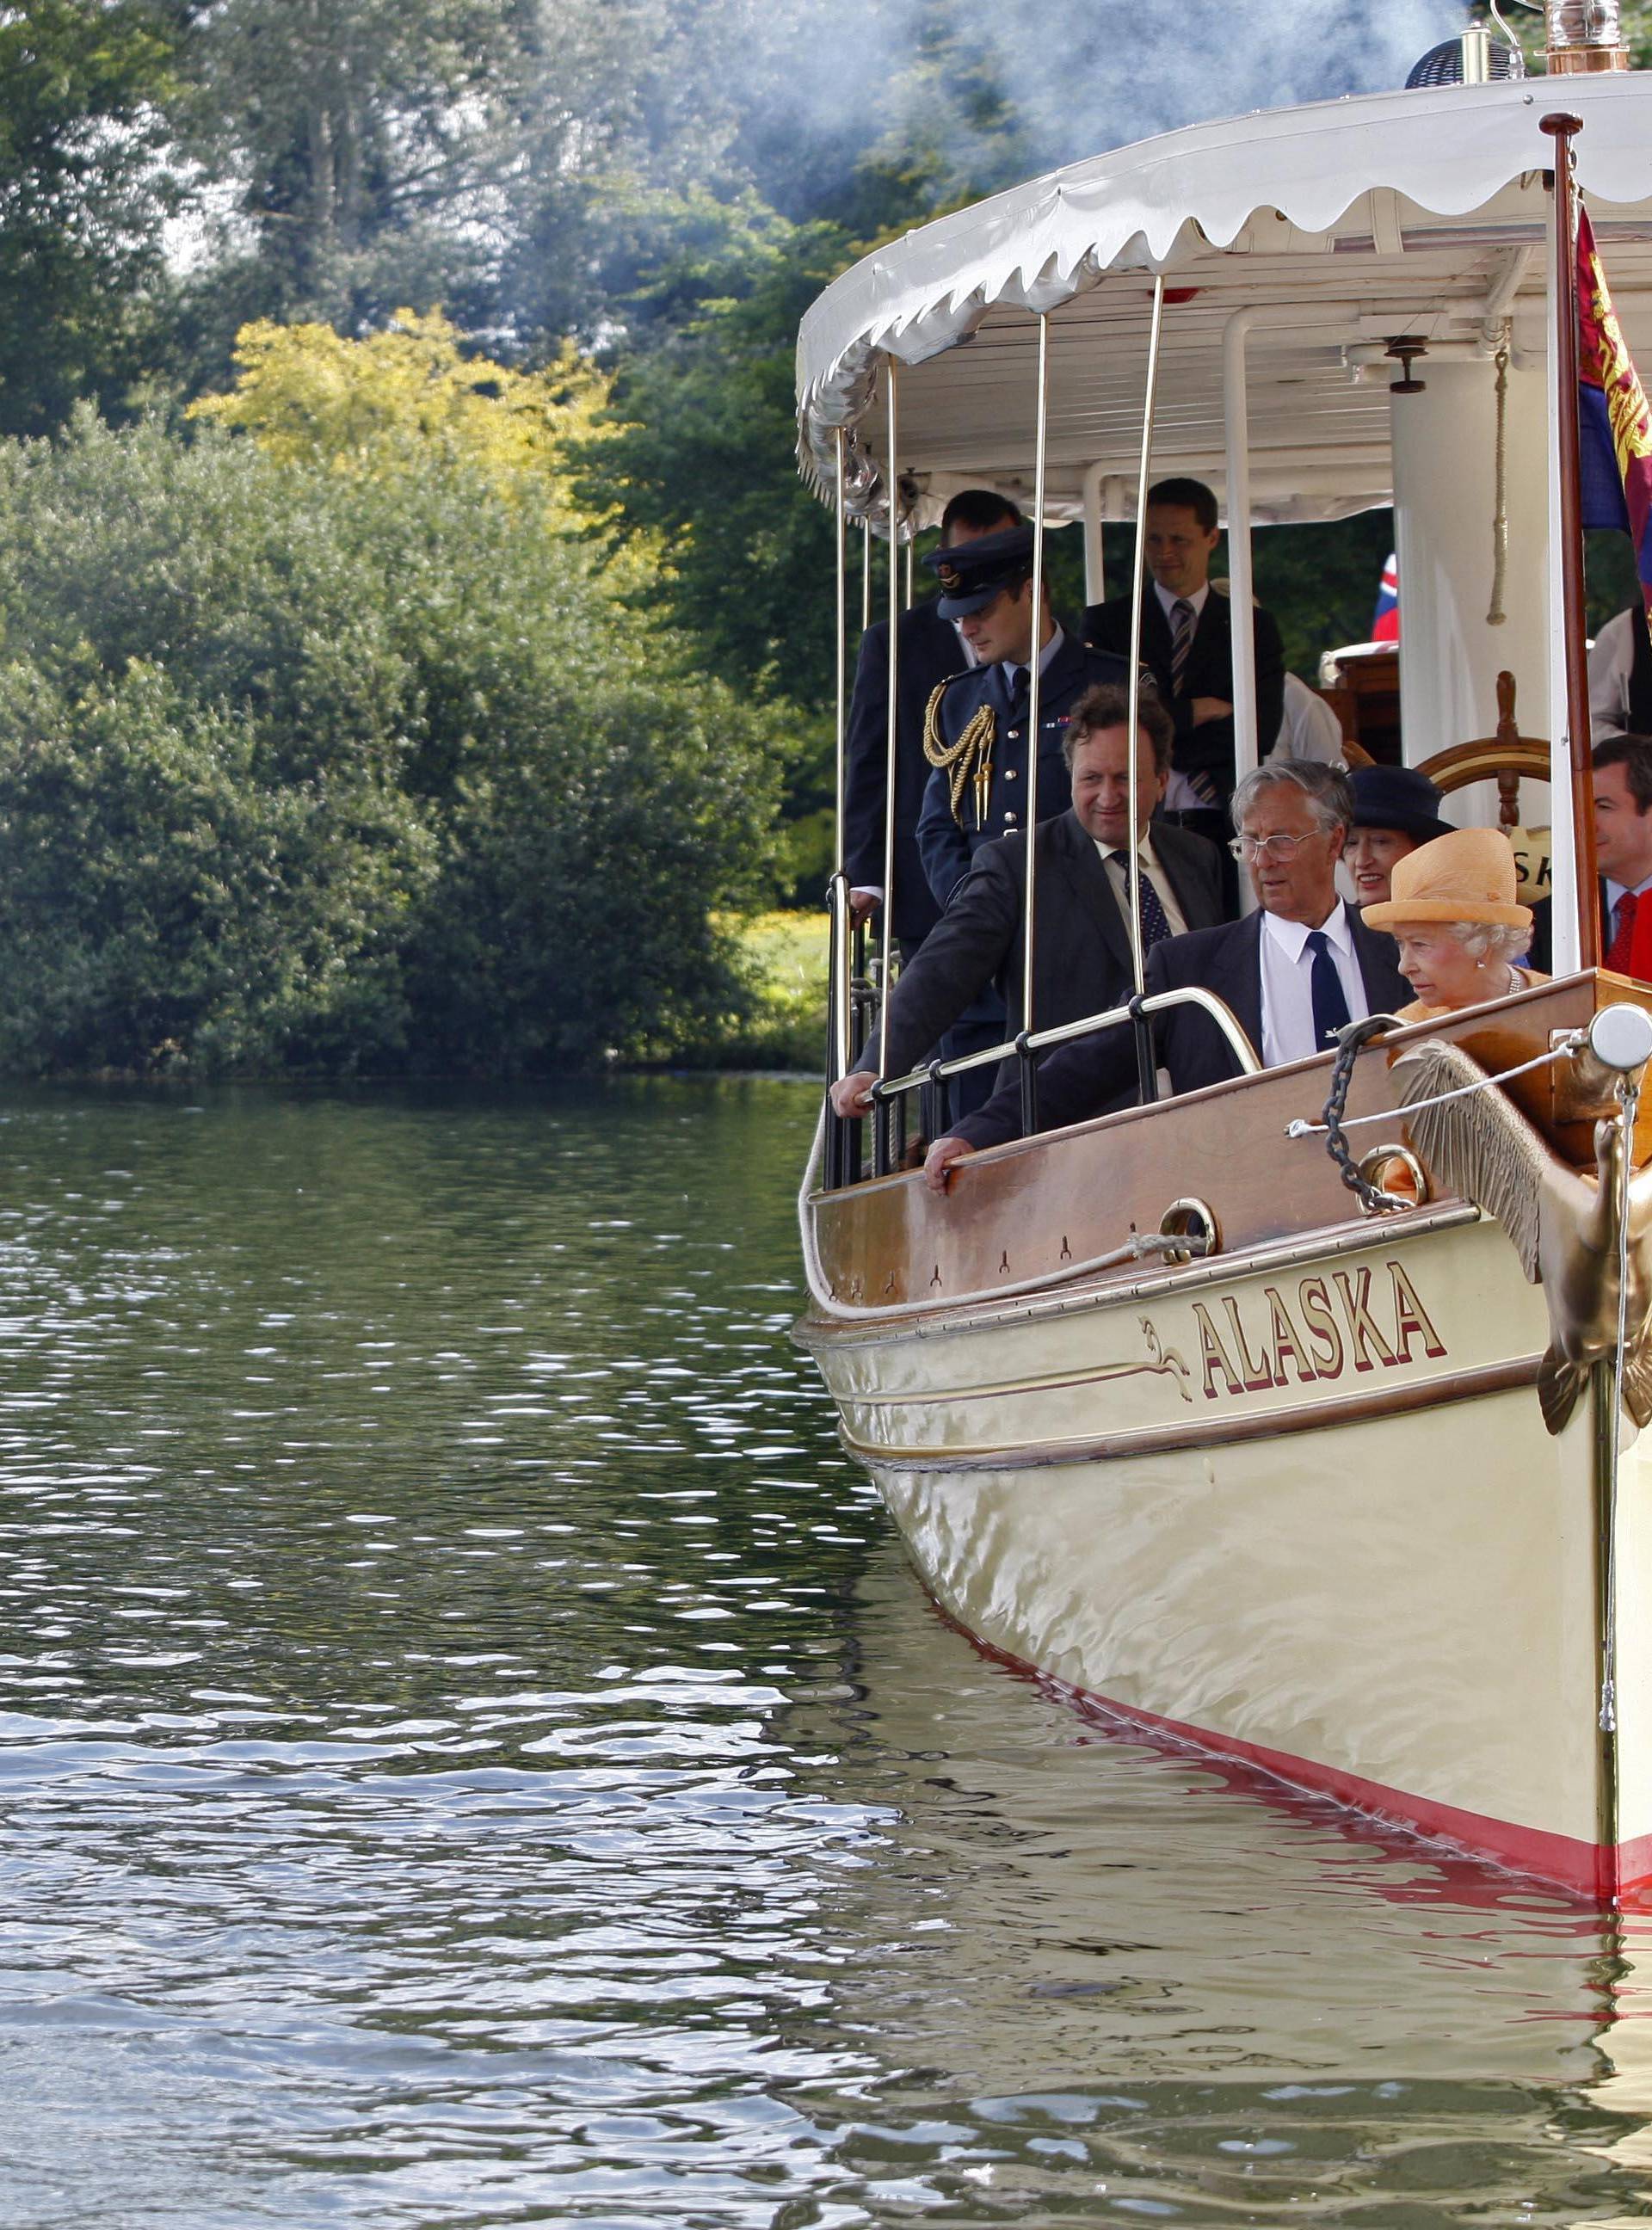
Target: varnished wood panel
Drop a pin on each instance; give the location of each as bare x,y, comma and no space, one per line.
1032,1208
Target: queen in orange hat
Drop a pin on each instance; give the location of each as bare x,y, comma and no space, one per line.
1452,911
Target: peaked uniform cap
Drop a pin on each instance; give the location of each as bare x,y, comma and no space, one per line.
972,573
1468,875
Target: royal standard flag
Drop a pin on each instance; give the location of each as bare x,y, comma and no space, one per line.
1614,424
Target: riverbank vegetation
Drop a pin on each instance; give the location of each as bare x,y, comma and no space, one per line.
416,646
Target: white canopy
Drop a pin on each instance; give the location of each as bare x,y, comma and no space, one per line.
1339,226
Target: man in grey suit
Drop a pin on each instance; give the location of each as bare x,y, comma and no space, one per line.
1081,950
1293,973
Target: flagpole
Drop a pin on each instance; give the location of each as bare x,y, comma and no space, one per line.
1561,128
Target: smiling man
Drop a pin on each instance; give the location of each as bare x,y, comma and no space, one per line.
1081,953
1293,973
1187,641
1622,786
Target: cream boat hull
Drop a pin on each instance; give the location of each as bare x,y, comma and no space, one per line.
1297,1507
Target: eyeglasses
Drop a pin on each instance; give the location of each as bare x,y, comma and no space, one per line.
1280,848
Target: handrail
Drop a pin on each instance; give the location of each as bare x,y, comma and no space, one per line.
1156,1002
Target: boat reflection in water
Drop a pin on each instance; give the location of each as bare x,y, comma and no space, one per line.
1148,1975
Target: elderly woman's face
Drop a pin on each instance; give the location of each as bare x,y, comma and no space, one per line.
1370,856
1440,969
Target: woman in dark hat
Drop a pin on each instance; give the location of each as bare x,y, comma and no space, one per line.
1395,809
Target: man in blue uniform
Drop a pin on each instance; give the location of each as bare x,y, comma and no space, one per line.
928,650
976,736
976,731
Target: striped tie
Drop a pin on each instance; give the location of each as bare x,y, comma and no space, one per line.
1184,622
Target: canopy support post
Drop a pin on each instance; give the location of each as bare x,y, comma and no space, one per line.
842,1136
1247,744
1035,676
1576,913
883,1115
1095,584
1146,1066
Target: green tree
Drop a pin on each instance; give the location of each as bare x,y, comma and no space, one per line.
315,769
86,186
363,143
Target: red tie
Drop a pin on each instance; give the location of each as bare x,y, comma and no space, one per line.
1617,954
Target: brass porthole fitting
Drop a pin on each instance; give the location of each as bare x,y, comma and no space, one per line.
1190,1219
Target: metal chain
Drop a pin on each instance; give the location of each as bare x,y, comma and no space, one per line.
1350,1041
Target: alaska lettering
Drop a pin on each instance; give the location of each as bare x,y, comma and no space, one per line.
1348,1319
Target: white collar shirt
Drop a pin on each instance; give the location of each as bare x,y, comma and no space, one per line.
1014,670
1168,601
1116,860
1288,983
1615,891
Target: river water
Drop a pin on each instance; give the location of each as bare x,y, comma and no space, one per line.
474,1754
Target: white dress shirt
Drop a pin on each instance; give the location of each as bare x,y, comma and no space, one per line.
1288,983
1116,860
1180,797
1615,891
1612,661
1309,728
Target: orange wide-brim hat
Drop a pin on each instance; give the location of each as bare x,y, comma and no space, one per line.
1466,876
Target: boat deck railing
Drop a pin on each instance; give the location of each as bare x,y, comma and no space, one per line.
853,997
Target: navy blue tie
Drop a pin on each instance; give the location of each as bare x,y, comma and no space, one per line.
1155,922
1329,1005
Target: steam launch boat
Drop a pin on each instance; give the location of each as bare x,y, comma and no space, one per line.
1345,1478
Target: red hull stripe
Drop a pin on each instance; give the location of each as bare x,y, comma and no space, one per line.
1599,1872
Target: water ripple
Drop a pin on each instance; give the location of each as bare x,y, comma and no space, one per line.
471,1752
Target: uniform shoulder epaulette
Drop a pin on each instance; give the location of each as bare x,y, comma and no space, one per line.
964,760
934,749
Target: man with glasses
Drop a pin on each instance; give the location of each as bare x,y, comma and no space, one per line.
1294,973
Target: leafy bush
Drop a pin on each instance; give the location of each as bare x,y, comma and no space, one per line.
309,770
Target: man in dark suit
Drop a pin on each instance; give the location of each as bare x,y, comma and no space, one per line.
1187,641
976,739
1293,973
1081,956
928,649
1622,787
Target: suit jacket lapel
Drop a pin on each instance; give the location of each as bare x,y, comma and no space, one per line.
1236,976
1175,858
1234,973
1074,846
1063,671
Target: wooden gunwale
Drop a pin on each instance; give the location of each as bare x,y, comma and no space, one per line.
1128,1286
1023,1211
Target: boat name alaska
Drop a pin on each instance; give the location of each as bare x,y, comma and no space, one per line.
1237,1357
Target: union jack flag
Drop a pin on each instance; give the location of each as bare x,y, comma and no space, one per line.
1384,628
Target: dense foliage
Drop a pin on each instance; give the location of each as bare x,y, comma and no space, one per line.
413,638
306,769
